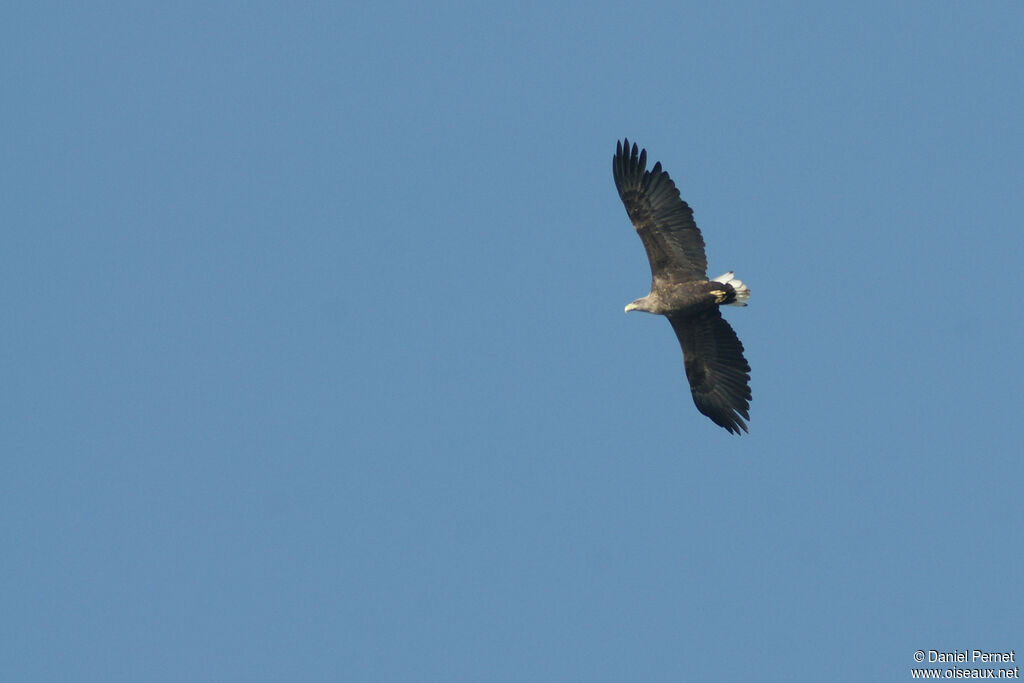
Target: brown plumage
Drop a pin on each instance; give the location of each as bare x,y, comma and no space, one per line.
718,373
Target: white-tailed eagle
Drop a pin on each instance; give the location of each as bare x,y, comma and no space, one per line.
718,373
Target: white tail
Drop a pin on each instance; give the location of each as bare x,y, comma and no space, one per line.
742,291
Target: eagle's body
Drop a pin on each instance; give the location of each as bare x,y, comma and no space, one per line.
718,373
684,298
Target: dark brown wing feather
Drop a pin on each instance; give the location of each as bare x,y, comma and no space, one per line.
663,220
718,373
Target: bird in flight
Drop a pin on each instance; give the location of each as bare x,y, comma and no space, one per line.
718,373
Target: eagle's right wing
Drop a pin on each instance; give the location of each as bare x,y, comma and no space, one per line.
718,373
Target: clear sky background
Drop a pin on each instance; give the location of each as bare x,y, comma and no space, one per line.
315,365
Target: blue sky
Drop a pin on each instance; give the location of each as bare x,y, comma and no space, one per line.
315,365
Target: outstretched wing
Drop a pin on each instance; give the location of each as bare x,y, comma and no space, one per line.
663,220
718,373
